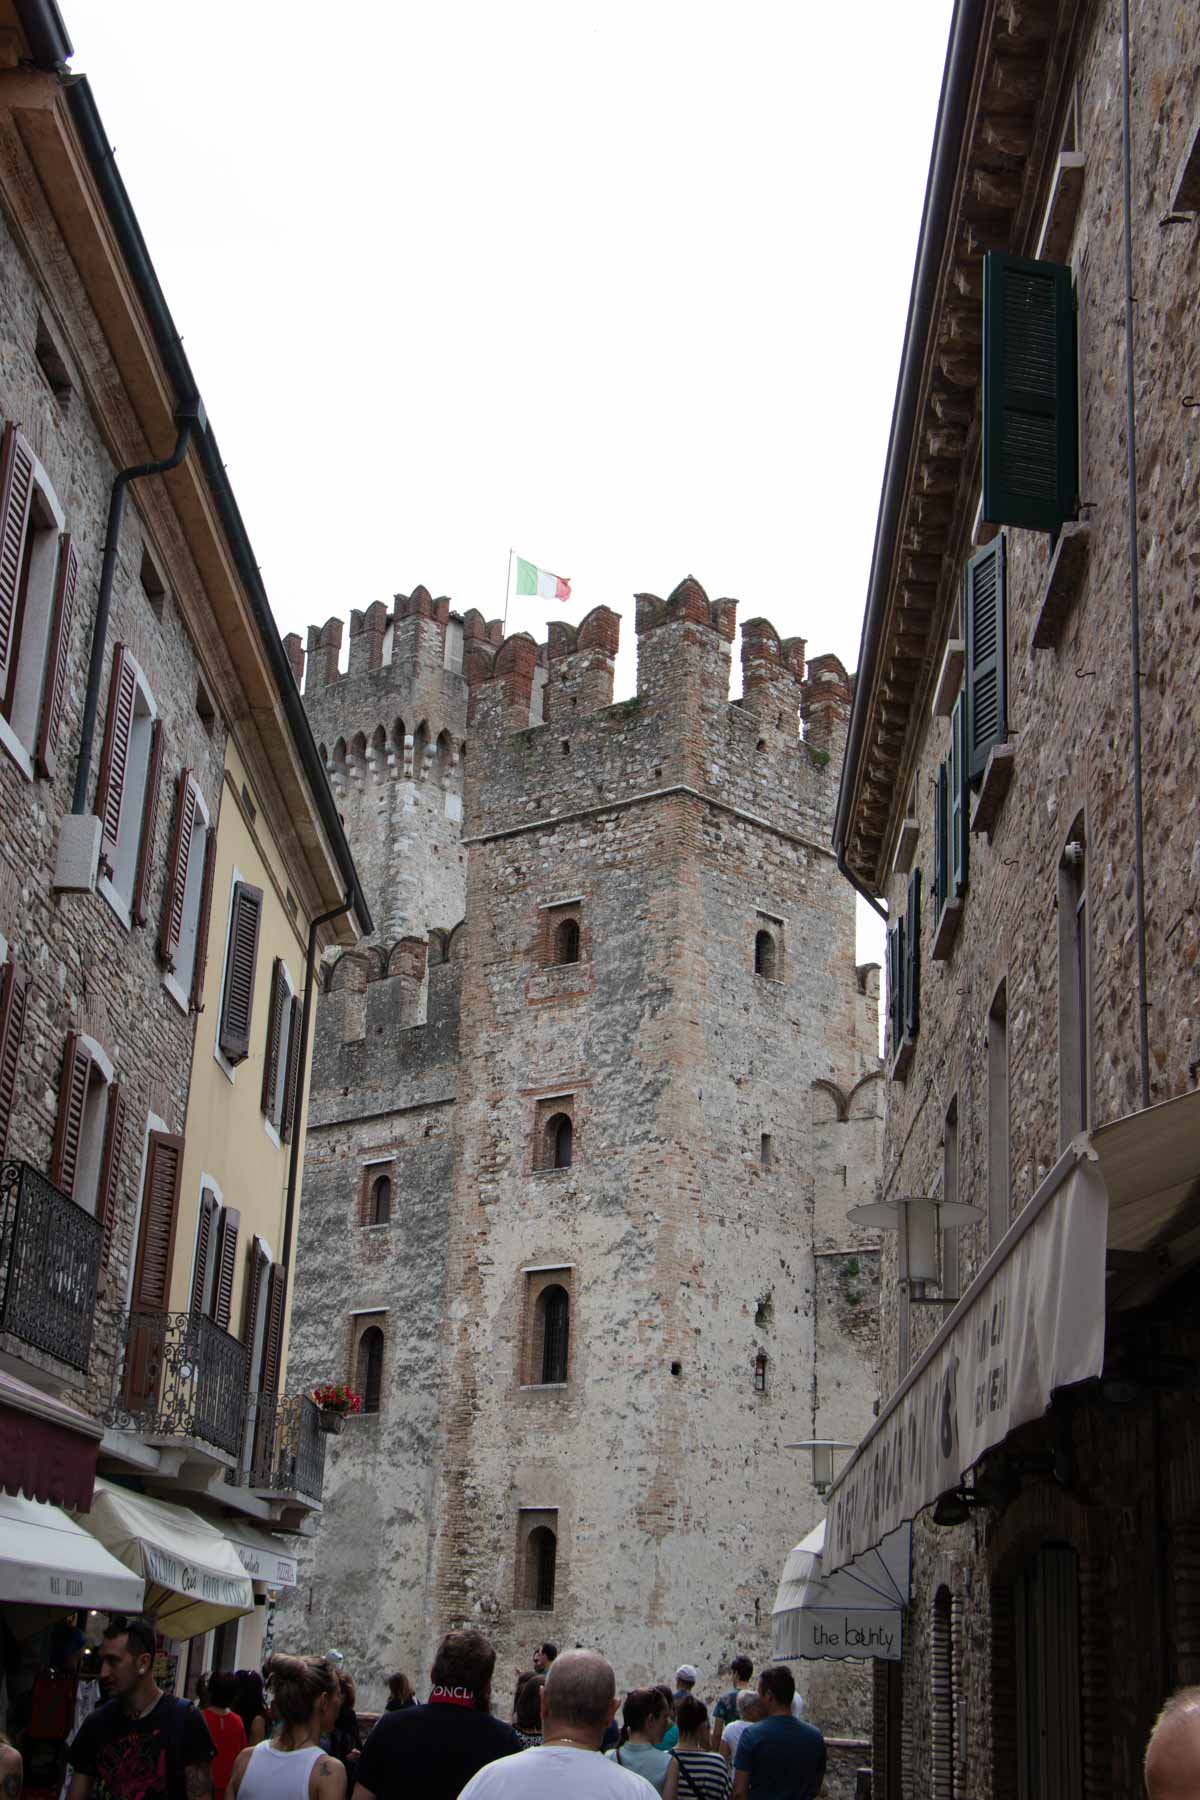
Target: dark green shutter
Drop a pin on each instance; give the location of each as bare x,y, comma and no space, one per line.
912,956
1030,433
958,821
986,677
939,841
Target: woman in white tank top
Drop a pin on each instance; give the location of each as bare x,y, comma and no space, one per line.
291,1764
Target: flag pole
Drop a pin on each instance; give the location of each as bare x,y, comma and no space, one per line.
507,585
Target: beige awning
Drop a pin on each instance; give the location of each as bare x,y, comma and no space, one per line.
1115,1219
194,1577
264,1556
46,1559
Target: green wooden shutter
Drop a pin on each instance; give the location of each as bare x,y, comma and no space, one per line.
1030,434
912,956
895,960
958,812
987,659
940,888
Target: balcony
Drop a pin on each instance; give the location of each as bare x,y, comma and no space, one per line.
287,1457
49,1269
183,1384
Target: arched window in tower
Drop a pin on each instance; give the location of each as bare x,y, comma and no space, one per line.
541,1560
554,1308
560,1135
370,1368
379,1209
760,1373
566,942
764,955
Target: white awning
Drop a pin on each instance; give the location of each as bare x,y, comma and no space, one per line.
854,1613
1126,1199
194,1579
266,1558
46,1559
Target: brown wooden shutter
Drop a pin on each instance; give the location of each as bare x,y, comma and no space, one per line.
72,1098
58,653
227,1243
275,1043
272,1356
293,1070
16,487
174,894
108,1192
114,757
14,993
200,959
152,1270
204,1230
237,1000
141,885
259,1260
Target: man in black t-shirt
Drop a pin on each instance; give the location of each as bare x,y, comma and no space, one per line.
431,1752
141,1744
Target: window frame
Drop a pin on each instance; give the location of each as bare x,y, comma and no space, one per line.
26,683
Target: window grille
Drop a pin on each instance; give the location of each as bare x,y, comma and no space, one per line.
370,1368
543,1558
556,1312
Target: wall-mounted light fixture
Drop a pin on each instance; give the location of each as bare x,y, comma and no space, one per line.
823,1450
918,1219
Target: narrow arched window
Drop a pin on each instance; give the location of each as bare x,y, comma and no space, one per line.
379,1210
560,1144
764,955
542,1554
370,1368
566,942
555,1308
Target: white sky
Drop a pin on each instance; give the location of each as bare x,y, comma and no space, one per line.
622,285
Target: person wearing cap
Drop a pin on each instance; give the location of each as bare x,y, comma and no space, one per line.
686,1678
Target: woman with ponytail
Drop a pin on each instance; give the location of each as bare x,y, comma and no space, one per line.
306,1698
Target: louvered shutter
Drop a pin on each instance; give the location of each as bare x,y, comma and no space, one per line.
58,653
259,1263
227,1242
205,1220
912,956
293,1070
958,812
200,958
114,757
940,792
14,994
170,929
16,488
145,860
108,1192
72,1098
152,1270
275,1047
237,999
1030,427
986,655
272,1355
895,954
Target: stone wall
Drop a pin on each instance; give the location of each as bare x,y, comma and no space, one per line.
89,971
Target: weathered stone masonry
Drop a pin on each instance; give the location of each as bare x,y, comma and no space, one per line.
722,1121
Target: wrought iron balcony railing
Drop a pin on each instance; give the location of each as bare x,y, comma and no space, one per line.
287,1452
49,1266
182,1377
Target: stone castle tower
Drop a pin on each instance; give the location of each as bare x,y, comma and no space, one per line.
586,1121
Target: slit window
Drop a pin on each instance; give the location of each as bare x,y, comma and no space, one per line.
369,1369
760,1373
765,955
541,1568
554,1309
566,942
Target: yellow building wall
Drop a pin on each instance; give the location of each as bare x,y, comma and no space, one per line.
229,1144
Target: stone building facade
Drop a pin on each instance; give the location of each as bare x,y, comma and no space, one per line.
1054,1584
583,1136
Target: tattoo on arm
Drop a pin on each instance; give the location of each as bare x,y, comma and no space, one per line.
197,1778
12,1785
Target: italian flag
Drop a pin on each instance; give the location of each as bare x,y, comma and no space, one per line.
532,580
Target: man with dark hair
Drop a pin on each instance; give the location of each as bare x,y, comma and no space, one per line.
543,1656
429,1752
141,1744
579,1702
725,1711
781,1758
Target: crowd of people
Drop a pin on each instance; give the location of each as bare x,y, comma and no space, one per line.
296,1735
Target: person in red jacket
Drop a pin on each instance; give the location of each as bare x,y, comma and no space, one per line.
224,1727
